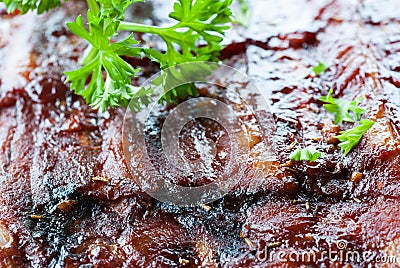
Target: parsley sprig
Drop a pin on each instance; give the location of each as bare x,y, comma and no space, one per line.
196,36
115,88
307,154
351,137
341,108
105,78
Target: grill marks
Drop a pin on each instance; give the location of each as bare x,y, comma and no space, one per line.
360,54
52,146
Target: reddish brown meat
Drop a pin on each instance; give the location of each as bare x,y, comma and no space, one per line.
69,200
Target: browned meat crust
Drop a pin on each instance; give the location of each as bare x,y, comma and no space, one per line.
68,199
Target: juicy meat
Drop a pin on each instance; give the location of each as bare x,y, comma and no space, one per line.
68,198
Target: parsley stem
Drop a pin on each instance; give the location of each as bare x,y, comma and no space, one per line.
93,6
162,32
140,28
90,54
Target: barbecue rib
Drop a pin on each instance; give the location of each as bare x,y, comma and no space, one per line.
69,200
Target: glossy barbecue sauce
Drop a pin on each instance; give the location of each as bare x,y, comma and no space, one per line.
67,195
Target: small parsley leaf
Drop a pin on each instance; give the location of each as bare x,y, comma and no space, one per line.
307,154
350,138
341,108
320,68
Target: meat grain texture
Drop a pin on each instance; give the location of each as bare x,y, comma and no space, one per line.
69,200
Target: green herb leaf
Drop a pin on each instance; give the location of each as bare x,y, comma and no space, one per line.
115,8
320,68
110,76
341,108
350,138
195,37
105,78
174,80
25,5
307,154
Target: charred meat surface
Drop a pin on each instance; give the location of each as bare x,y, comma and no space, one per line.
68,198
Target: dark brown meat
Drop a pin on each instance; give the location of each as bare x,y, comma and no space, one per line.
69,200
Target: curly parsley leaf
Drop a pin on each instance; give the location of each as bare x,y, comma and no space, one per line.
341,108
307,154
320,68
105,79
174,80
195,37
25,5
350,138
115,8
109,75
